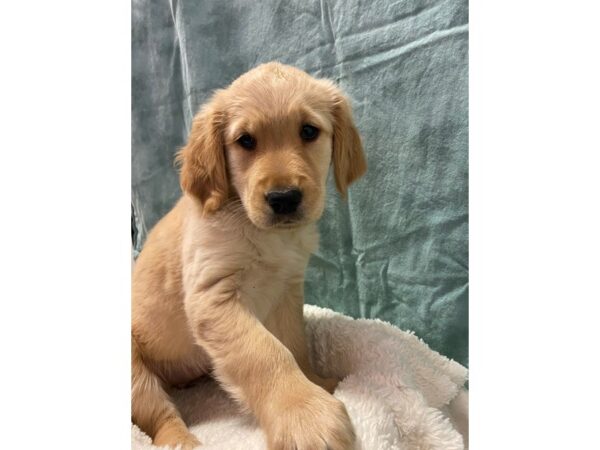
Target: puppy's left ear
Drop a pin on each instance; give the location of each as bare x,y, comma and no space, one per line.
348,157
203,168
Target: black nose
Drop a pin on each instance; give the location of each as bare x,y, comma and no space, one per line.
284,202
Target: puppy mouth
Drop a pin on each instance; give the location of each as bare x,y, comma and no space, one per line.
286,220
267,219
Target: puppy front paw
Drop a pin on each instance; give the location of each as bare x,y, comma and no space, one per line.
310,419
174,439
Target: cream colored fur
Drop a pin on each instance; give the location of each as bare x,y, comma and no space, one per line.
400,394
218,286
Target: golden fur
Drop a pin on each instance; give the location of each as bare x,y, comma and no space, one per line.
218,287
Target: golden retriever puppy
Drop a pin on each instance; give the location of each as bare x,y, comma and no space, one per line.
218,287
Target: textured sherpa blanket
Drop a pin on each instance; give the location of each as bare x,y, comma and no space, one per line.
399,393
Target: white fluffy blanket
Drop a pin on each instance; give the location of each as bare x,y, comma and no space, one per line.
399,393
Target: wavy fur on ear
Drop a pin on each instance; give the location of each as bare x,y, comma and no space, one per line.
349,161
203,169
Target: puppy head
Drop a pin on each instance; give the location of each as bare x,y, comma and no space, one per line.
269,139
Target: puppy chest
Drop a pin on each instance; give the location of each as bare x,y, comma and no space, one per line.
263,267
270,280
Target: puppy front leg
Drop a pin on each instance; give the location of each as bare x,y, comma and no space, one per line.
286,322
259,371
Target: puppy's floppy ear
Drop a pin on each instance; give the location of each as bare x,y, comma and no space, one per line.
203,170
348,157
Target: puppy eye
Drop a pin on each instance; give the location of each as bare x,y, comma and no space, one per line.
246,141
309,133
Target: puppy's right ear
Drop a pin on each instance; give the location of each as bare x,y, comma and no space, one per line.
203,170
349,161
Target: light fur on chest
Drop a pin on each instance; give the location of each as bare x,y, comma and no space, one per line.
259,266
